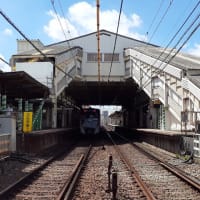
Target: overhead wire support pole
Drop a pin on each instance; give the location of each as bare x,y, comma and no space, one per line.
98,41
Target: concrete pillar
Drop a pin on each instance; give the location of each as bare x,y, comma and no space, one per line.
54,113
70,117
26,106
48,117
54,99
132,119
20,115
125,117
30,107
63,118
140,117
13,133
154,113
166,93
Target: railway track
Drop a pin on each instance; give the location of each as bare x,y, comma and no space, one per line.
103,171
164,180
51,180
188,167
98,182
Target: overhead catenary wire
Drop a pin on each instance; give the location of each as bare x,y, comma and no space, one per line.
183,44
58,18
182,36
121,5
161,20
61,25
155,16
98,39
61,8
180,28
3,60
67,27
29,41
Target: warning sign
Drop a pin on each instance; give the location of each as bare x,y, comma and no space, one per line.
27,122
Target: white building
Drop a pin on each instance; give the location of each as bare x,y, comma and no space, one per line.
152,85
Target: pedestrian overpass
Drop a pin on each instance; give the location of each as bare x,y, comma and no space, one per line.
156,87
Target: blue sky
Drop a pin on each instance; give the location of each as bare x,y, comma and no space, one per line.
37,20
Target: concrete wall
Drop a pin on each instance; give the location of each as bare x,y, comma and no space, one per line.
23,45
7,133
41,71
89,45
174,143
39,141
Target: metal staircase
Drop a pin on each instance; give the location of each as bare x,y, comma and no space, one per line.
37,118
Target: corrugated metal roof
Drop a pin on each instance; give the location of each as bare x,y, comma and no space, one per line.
195,80
20,84
181,60
103,32
47,50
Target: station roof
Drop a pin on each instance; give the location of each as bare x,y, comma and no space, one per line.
21,85
195,80
181,60
47,50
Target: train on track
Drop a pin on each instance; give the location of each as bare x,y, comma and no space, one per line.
90,121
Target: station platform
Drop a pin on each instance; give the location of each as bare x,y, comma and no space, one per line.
172,141
37,141
165,132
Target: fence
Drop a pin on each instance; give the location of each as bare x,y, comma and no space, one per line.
197,145
5,143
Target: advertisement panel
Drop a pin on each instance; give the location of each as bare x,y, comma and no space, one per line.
27,122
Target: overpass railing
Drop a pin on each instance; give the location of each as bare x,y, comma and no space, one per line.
154,83
190,121
71,64
197,145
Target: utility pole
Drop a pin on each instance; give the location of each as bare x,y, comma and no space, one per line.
98,40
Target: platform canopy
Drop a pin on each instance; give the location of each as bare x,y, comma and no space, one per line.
21,85
103,93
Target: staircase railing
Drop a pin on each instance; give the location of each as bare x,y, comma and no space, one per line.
37,118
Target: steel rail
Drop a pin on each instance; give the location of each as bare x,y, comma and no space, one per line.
176,171
173,169
3,158
68,182
146,191
11,188
69,185
182,175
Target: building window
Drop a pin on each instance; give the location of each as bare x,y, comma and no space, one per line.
93,57
108,57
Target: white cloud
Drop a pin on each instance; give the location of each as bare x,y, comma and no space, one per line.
136,20
7,32
82,20
54,30
83,16
3,66
195,50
